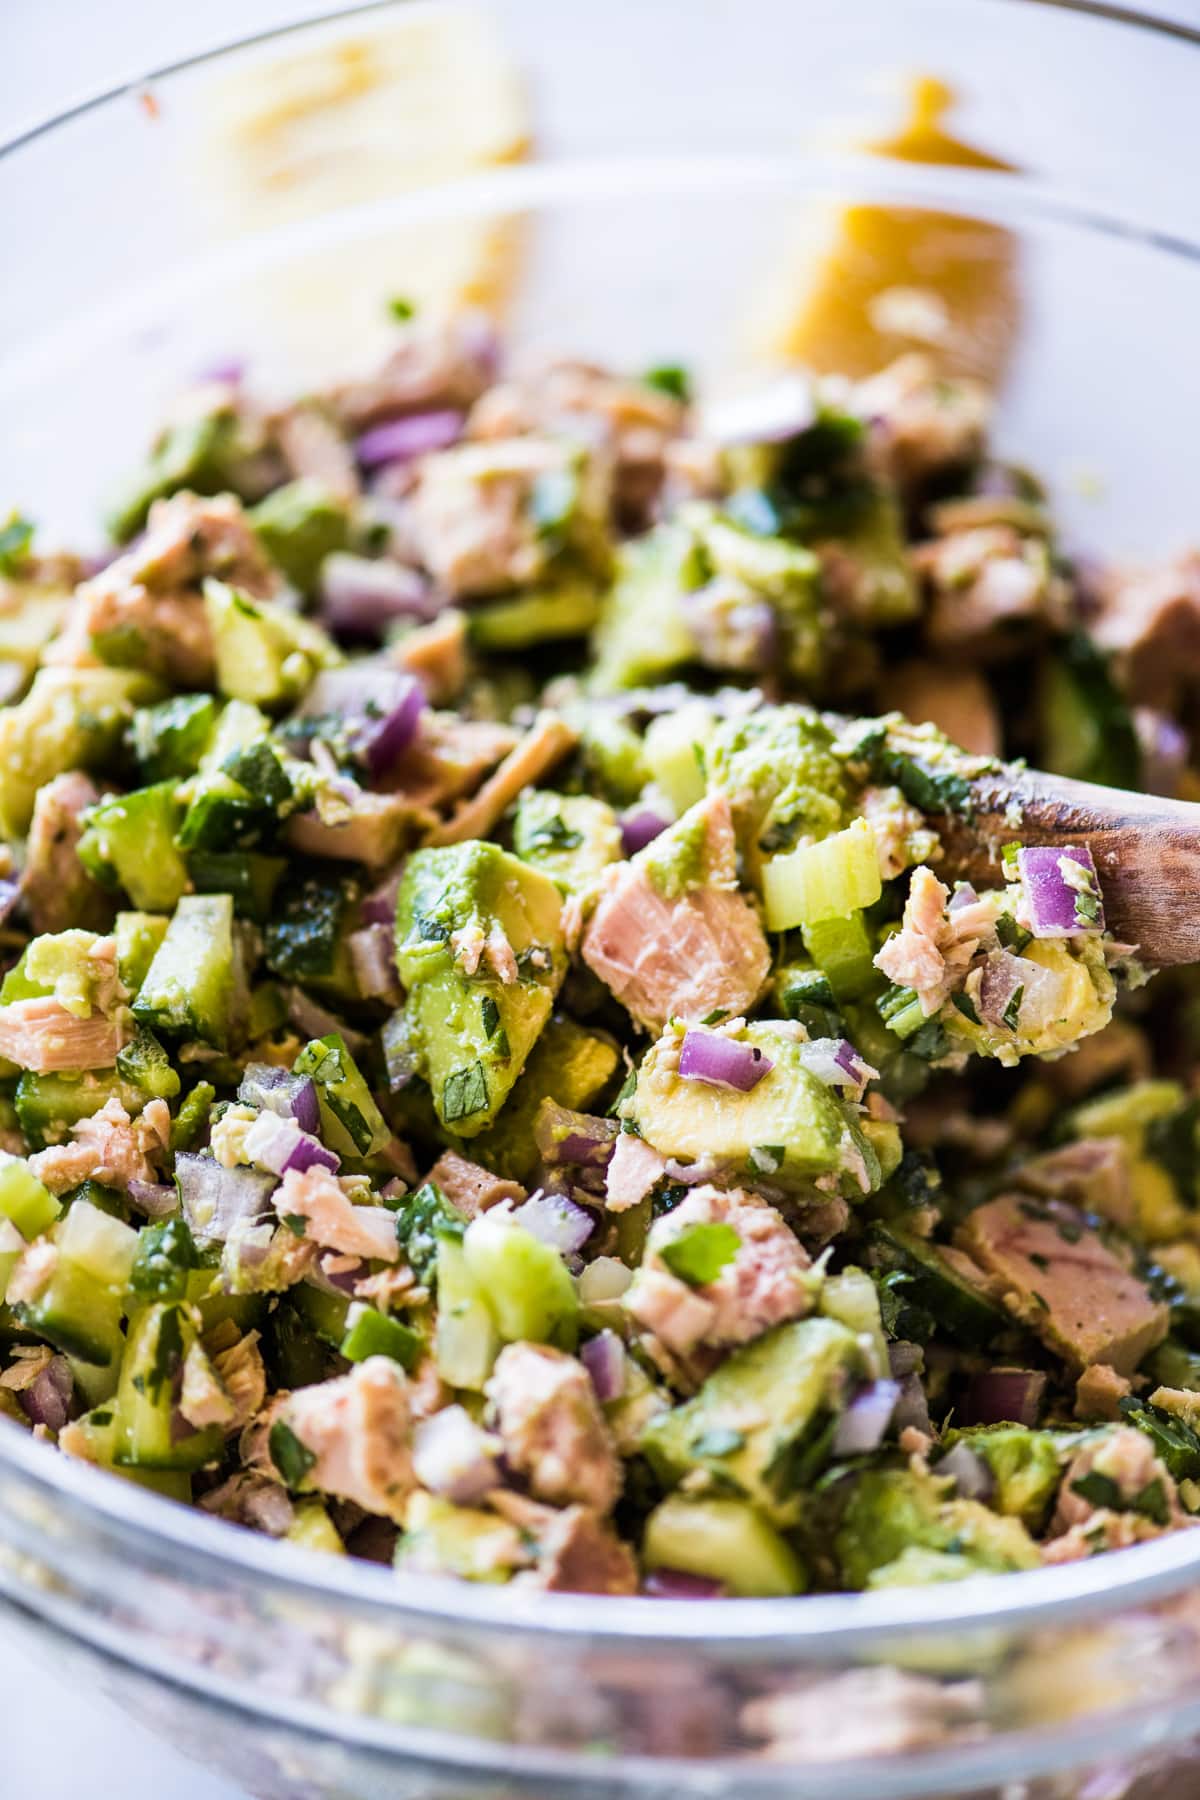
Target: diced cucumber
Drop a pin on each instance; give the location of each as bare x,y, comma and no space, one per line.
725,1540
31,1207
351,1123
843,950
189,987
295,1356
543,615
371,1333
963,1311
250,877
169,739
148,1429
129,842
467,1341
325,1314
48,1105
100,1428
138,936
102,1246
831,879
307,936
105,1199
675,752
77,1314
145,1063
529,1292
265,654
299,525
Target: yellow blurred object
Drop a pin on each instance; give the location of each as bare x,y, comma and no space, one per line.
863,284
373,110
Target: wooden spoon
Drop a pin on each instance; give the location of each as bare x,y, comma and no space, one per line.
1146,850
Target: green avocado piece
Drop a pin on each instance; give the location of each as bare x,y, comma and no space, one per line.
570,837
299,525
472,1033
568,1065
782,573
762,1424
642,635
781,776
613,753
129,842
893,1513
790,1126
443,1539
725,1540
138,936
212,453
265,654
69,719
564,609
1025,1466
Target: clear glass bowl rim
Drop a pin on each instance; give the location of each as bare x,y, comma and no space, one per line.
805,1625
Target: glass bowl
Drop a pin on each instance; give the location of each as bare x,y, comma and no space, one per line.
691,167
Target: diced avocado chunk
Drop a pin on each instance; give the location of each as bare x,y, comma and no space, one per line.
209,452
892,1513
790,1126
138,936
783,780
299,525
69,719
761,1426
472,1033
772,569
933,1283
351,1123
265,654
443,1539
614,754
1025,1466
725,1540
569,837
61,964
564,609
169,739
28,1205
568,1065
190,987
642,634
129,842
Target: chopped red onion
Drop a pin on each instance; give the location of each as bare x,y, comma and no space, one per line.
862,1426
338,1278
722,1061
372,952
970,1472
556,1220
676,1584
771,416
640,827
455,1457
1062,890
604,1359
400,440
395,1189
1001,981
379,907
836,1062
380,707
216,1200
278,1091
563,1136
399,1057
317,1021
47,1399
1004,1397
157,1199
361,595
278,1144
912,1408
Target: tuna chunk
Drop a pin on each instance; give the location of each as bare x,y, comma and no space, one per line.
1151,621
933,948
358,1428
252,1500
109,1147
333,1221
923,425
202,1398
56,889
469,1186
1064,1283
239,1368
1092,1173
578,1553
474,517
985,581
1126,1459
633,1169
313,446
1099,1392
551,1427
761,1286
544,744
437,364
42,1035
684,954
448,757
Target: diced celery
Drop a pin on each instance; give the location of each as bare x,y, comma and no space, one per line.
831,879
98,1243
467,1339
529,1291
901,1011
371,1333
675,751
31,1207
843,950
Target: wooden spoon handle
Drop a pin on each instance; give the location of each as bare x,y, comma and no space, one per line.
1146,850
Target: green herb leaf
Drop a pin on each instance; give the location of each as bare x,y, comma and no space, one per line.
698,1254
465,1093
964,1004
400,308
1012,1012
16,540
1098,1490
1012,936
291,1457
166,1254
670,378
296,1223
422,1219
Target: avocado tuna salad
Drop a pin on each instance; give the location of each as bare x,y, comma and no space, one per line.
496,1074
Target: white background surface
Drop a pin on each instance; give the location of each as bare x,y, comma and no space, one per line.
65,1745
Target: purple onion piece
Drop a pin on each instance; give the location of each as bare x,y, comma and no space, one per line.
216,1200
1004,1397
47,1399
278,1144
604,1359
361,596
1001,979
1062,890
157,1199
640,827
573,1138
385,740
862,1426
393,1190
379,706
970,1472
372,952
278,1091
400,440
722,1061
964,895
556,1220
677,1584
379,907
455,1457
10,893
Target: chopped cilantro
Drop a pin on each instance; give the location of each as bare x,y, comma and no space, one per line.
698,1254
670,378
296,1223
465,1092
291,1457
1012,936
554,834
165,1255
1012,1012
16,540
401,308
421,1220
964,1004
490,1014
715,1016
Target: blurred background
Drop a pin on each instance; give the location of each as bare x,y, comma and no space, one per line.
53,56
